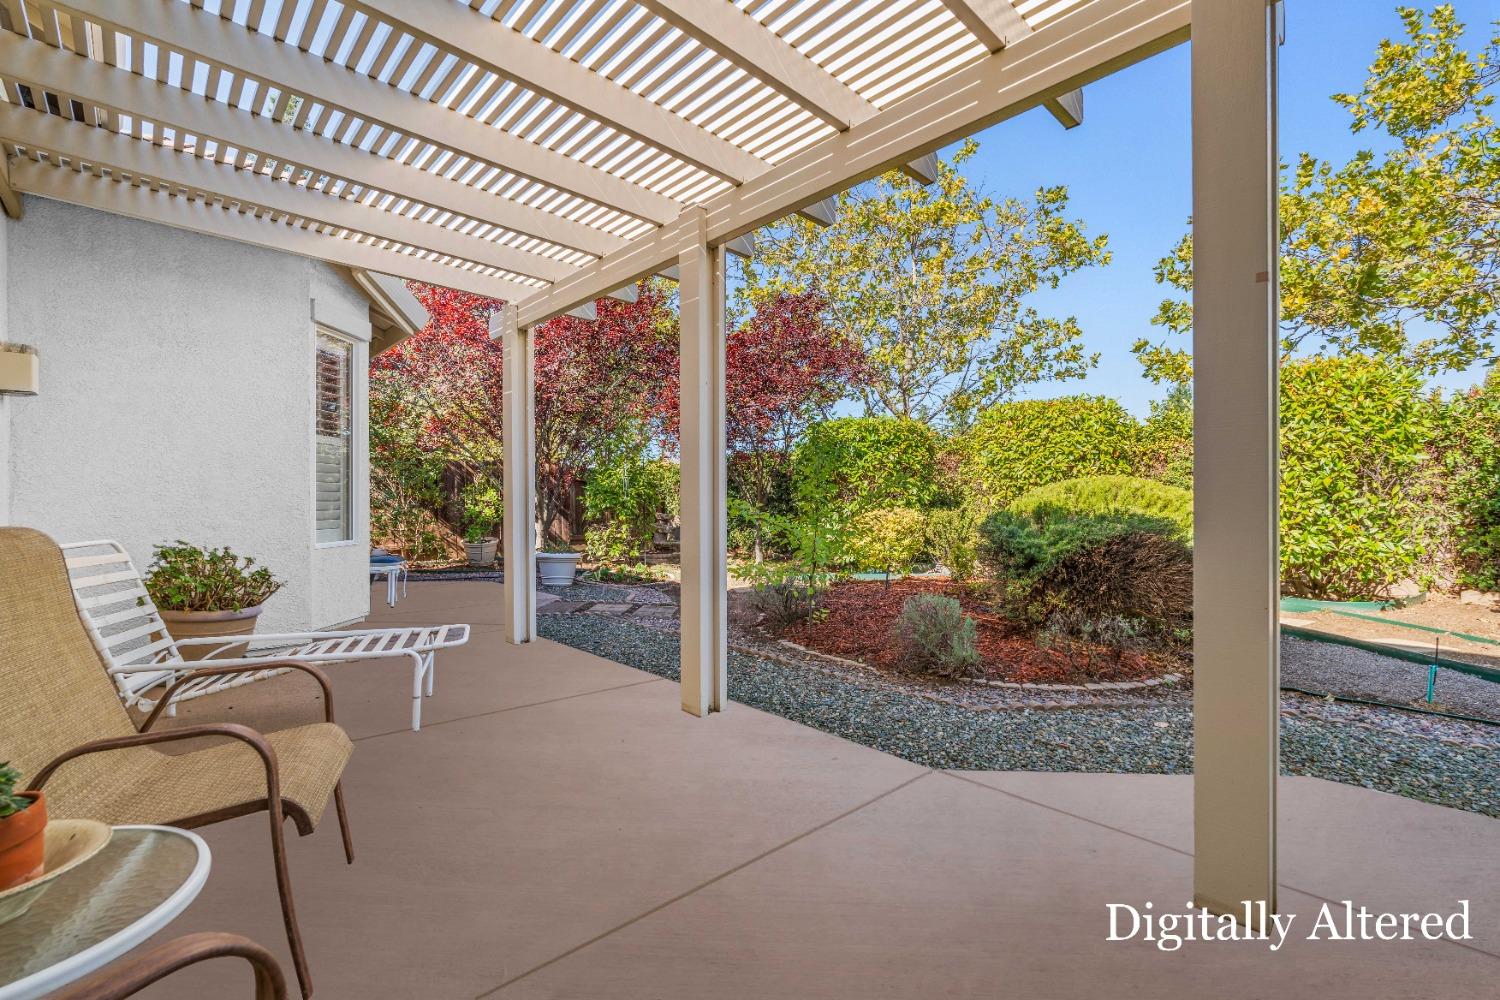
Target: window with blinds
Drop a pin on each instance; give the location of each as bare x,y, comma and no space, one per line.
333,427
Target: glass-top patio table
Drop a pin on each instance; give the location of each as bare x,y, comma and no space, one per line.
143,878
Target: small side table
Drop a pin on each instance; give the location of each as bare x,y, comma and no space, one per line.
394,572
106,906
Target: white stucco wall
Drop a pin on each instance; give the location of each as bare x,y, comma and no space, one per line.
4,401
176,398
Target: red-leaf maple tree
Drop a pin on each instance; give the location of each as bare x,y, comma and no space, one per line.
784,367
592,378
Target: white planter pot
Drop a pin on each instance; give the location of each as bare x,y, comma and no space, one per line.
482,552
556,569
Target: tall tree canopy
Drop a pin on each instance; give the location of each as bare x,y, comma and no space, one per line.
932,281
1395,253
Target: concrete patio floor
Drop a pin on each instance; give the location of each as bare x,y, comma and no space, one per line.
560,829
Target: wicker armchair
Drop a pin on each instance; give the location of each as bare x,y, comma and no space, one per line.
62,722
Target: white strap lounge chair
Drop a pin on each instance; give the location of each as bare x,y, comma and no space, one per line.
142,656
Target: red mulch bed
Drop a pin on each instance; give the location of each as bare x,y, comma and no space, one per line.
860,615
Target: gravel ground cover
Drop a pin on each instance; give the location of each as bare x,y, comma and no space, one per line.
1327,668
1436,760
611,593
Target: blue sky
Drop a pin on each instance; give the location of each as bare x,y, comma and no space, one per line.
1128,170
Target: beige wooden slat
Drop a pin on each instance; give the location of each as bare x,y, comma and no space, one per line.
215,40
511,54
138,202
735,36
131,94
1097,40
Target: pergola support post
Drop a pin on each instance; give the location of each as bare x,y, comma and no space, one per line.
1235,357
518,453
705,580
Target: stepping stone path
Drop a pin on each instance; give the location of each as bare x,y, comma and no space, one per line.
613,600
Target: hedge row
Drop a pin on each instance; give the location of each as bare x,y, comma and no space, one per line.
1381,482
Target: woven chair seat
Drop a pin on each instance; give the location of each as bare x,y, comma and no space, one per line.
144,785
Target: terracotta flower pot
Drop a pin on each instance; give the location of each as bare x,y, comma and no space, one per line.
21,842
196,624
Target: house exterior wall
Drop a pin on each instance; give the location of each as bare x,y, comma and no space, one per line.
4,400
177,399
340,570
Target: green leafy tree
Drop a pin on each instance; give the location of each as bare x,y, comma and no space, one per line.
1396,253
1016,447
850,465
931,280
1468,447
1355,477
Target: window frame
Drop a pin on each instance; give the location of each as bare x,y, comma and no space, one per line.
352,410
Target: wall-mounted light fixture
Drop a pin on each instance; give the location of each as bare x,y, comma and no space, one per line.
20,370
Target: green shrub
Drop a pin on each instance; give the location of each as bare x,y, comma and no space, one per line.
1016,447
1113,495
784,602
938,636
1469,445
1094,565
483,509
1166,446
847,466
783,593
888,540
611,542
1356,509
953,540
628,494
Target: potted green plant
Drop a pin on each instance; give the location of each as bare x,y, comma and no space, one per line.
207,592
23,819
480,547
556,564
483,509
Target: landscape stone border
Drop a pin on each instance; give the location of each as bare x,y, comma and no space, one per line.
1013,685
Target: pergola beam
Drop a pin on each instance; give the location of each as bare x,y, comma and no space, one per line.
122,154
1097,40
733,35
996,23
124,93
224,44
136,202
512,56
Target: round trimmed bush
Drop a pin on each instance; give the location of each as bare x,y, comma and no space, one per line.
1112,495
1016,447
